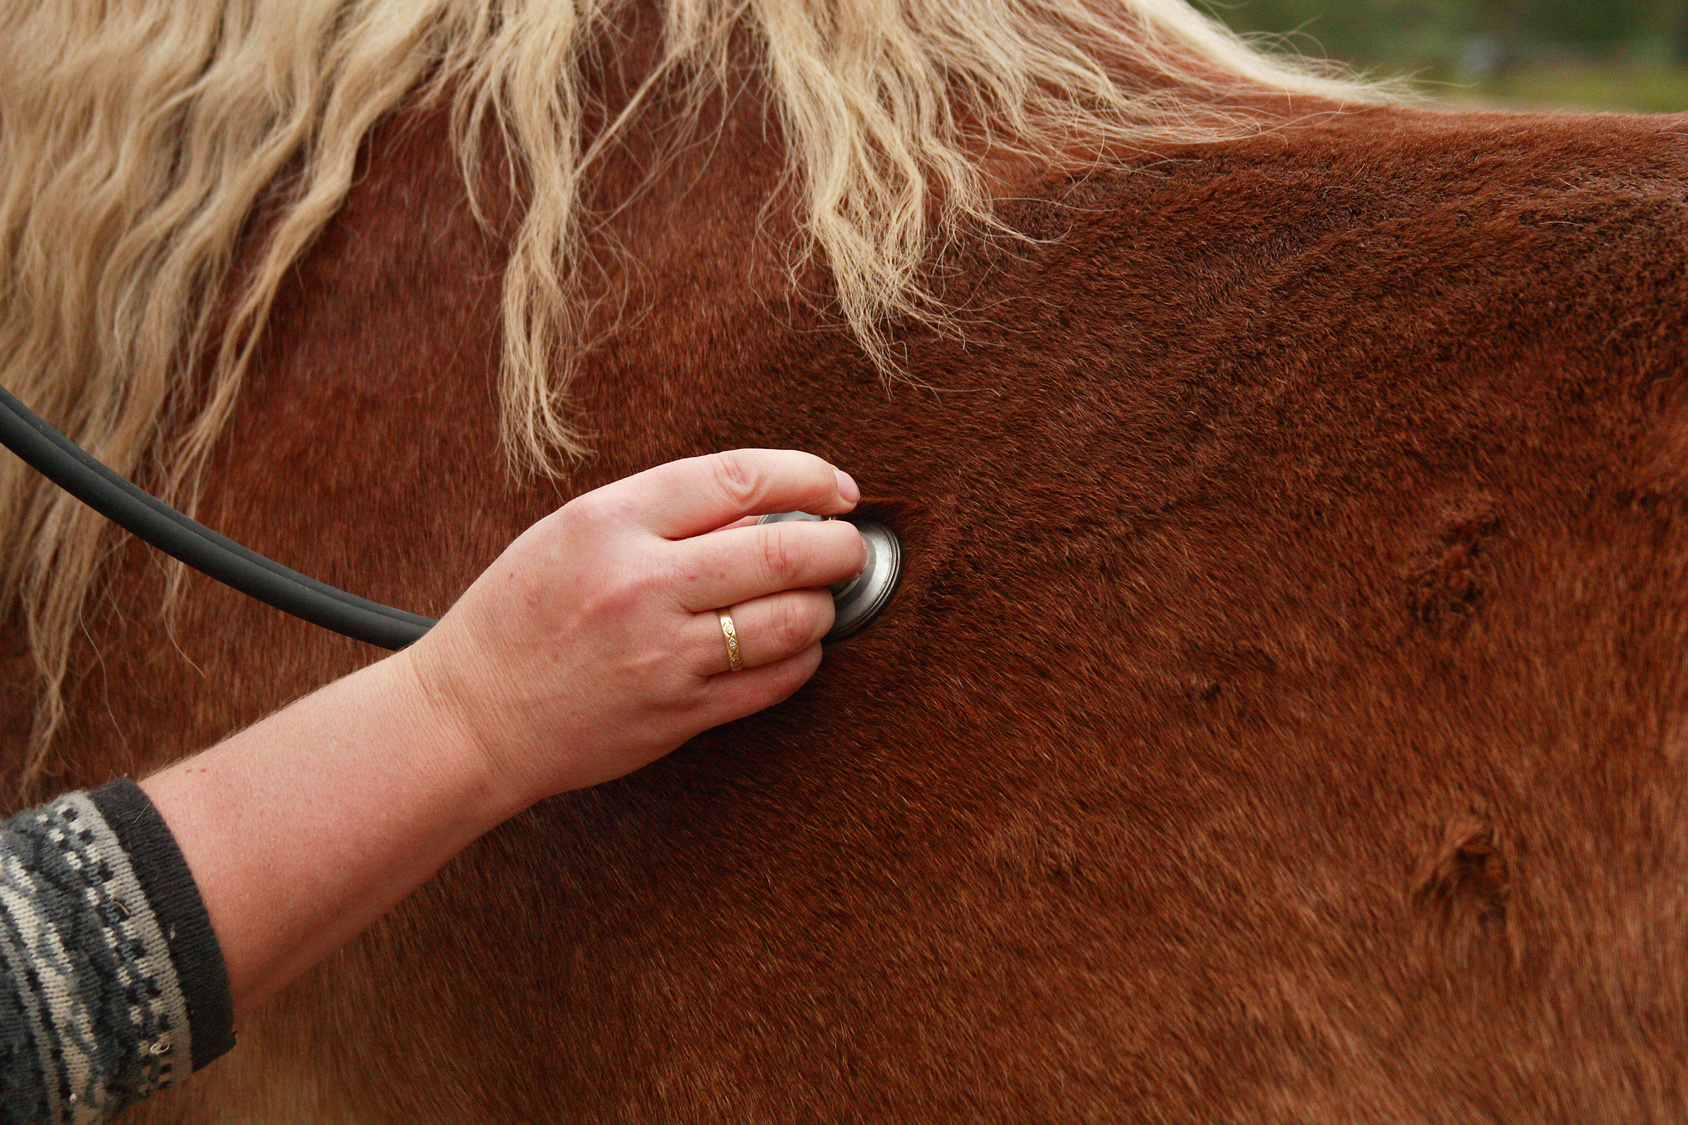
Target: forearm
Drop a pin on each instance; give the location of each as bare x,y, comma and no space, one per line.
305,828
591,647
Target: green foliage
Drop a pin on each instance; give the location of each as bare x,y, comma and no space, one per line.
1636,87
1608,54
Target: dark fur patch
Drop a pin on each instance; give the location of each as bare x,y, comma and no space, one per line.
1463,889
1453,574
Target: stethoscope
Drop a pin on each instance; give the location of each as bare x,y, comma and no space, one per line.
73,469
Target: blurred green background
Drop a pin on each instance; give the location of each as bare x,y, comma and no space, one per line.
1570,54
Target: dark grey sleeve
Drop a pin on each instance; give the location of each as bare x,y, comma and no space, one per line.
113,985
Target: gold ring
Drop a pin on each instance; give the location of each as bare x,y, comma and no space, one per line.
729,631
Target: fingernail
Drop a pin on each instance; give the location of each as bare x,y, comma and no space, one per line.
847,487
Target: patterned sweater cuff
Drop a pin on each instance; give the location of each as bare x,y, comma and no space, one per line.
174,897
113,985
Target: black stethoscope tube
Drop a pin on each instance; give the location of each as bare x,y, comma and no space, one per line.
70,467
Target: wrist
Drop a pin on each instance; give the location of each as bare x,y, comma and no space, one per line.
459,746
382,781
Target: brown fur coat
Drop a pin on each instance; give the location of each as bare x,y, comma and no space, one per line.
1282,718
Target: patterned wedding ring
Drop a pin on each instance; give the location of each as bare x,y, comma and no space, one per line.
730,631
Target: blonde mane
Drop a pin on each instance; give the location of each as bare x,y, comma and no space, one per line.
137,137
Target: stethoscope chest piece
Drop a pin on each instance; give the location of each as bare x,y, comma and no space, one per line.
863,598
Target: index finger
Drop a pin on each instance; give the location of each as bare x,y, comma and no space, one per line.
698,494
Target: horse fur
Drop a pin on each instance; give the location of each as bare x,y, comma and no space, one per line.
138,138
1281,719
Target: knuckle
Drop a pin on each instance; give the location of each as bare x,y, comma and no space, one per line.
605,506
737,479
692,696
782,554
783,625
584,515
677,674
621,592
586,508
794,622
647,578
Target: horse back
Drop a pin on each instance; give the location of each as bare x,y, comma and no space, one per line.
1280,717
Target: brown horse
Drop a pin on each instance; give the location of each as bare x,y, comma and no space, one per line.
1282,715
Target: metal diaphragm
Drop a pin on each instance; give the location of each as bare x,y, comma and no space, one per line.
857,602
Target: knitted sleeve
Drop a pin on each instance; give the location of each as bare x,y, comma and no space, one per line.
113,985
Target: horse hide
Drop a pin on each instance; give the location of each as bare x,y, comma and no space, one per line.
1281,718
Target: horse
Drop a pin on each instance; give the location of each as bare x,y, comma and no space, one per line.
1281,716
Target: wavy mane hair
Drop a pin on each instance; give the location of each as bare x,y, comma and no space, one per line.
138,137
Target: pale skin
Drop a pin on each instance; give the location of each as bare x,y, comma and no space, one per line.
590,648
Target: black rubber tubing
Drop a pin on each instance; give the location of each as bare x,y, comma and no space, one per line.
73,469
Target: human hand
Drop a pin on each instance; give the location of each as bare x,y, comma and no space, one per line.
593,645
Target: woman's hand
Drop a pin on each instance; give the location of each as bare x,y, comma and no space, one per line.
594,645
589,648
